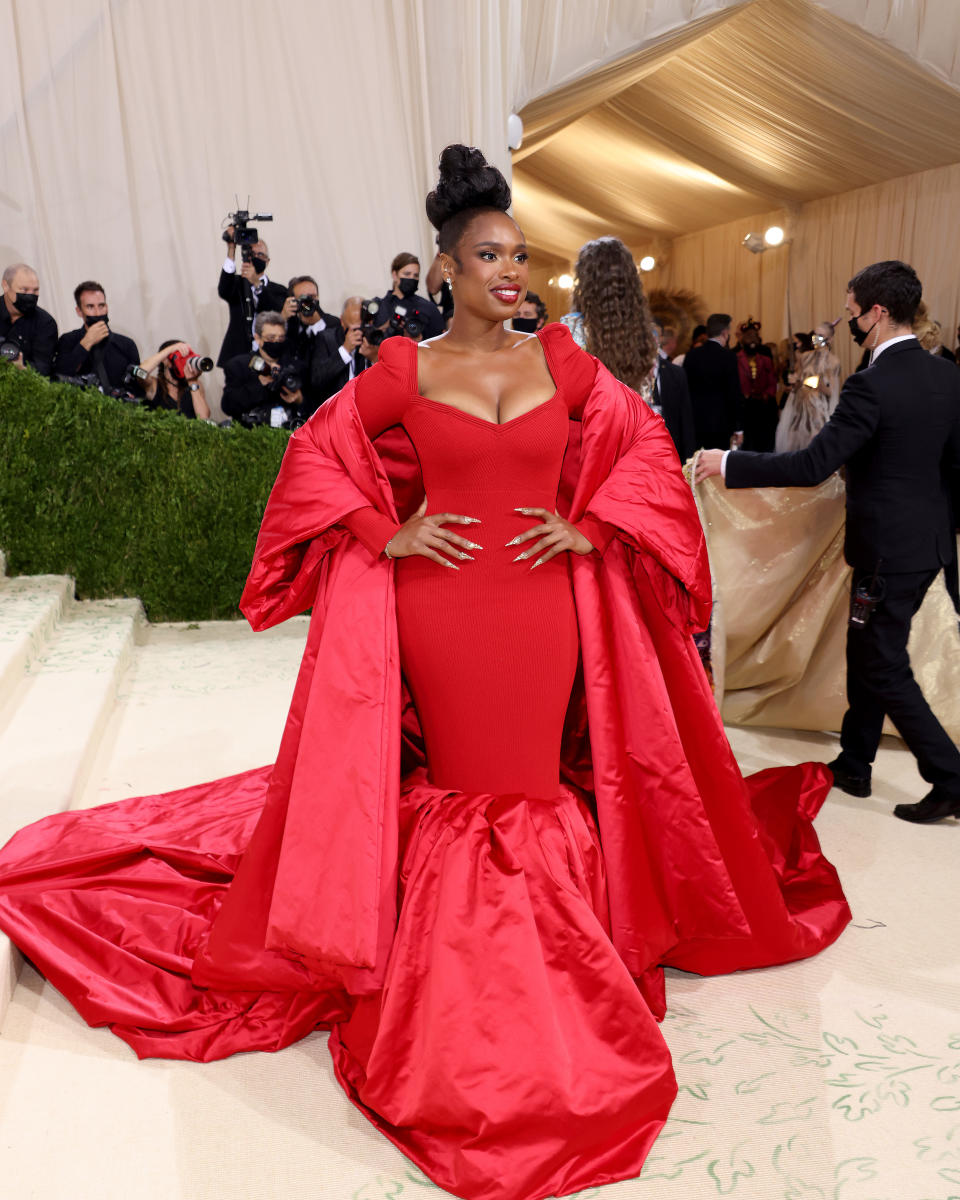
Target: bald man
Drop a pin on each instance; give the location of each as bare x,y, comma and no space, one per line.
24,323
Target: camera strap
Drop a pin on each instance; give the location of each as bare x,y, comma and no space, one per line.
97,354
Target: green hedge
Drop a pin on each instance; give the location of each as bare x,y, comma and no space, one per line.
130,502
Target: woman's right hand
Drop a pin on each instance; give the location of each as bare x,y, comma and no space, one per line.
178,347
426,536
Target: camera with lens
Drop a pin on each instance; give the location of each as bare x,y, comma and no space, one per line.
92,380
412,326
179,363
308,306
368,326
283,376
244,234
404,323
9,350
129,390
126,395
401,324
288,378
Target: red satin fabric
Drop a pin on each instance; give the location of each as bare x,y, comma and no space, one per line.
484,1013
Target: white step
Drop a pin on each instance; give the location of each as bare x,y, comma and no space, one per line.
55,721
30,608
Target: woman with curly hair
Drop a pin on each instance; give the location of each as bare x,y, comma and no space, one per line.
503,799
617,325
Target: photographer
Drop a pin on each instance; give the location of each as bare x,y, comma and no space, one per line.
95,349
264,388
264,295
304,314
307,326
403,302
28,334
178,390
340,353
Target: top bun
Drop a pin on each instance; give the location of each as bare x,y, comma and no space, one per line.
466,181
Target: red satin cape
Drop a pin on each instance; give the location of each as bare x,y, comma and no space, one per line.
336,888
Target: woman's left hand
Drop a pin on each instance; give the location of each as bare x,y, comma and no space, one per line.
554,534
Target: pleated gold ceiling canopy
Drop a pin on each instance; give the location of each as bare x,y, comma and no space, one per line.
766,105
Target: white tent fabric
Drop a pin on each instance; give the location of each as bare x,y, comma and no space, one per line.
127,128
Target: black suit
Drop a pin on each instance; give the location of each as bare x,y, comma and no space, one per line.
36,334
244,397
897,431
714,394
328,373
673,396
239,336
116,353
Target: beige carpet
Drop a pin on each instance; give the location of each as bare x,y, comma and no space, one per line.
835,1079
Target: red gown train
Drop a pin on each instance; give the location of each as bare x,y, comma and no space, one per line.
502,802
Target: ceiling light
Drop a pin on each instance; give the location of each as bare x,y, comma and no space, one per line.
565,282
754,243
647,263
773,236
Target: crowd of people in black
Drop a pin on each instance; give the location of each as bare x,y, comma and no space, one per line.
282,354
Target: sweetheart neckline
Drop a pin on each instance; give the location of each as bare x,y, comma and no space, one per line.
483,420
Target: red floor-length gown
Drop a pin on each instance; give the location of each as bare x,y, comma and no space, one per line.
500,1039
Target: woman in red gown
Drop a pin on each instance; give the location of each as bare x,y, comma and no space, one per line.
503,798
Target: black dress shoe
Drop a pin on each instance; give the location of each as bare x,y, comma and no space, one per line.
935,806
846,781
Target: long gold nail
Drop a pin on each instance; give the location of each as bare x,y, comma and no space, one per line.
461,554
537,563
513,541
519,556
474,546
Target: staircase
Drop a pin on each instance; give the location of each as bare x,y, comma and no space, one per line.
61,664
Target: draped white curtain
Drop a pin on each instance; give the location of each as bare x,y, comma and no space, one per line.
127,127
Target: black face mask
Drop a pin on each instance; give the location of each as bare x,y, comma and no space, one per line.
857,333
26,302
750,347
525,324
275,349
88,321
408,287
259,264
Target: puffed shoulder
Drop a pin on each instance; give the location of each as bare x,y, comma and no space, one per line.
569,364
398,358
558,337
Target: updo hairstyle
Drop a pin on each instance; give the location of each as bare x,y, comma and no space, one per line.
468,185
